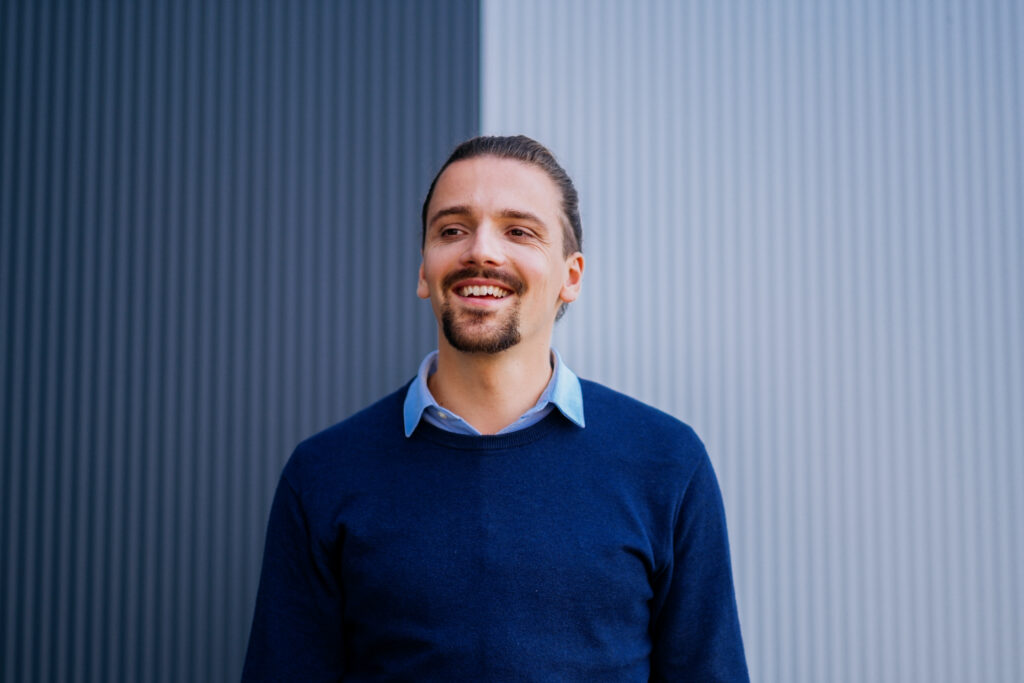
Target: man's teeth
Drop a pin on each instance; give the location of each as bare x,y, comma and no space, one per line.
483,290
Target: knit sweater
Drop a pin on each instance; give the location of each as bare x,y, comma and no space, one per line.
554,553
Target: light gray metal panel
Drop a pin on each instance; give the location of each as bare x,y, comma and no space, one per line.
804,236
209,237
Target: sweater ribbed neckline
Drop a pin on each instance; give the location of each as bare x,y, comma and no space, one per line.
489,442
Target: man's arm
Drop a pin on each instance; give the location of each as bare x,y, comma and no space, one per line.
296,630
695,624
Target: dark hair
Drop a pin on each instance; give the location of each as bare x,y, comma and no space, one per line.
528,150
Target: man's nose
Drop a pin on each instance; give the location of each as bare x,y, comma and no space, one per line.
484,247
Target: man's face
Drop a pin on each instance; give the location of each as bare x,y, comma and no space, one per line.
493,263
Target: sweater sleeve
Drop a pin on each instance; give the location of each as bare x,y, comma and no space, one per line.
695,624
297,627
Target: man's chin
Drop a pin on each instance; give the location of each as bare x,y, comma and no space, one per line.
480,336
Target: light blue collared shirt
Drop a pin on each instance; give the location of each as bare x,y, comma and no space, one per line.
562,392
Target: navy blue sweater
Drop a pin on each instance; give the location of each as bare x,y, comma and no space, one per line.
550,554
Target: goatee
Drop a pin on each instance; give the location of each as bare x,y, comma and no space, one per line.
460,335
463,340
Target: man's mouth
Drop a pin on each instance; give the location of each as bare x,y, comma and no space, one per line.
483,284
492,291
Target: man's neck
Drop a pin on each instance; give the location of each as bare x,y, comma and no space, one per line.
490,391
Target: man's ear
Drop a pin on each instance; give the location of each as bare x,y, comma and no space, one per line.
421,287
573,278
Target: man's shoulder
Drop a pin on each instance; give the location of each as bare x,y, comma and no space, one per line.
609,404
383,417
373,429
633,420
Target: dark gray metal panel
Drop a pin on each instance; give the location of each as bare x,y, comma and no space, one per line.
209,245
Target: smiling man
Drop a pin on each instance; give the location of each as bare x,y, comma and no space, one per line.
498,519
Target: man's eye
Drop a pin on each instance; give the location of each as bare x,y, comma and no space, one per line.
518,232
449,231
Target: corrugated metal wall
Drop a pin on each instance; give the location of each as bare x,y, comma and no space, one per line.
804,236
209,244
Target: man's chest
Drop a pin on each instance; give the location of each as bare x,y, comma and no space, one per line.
498,559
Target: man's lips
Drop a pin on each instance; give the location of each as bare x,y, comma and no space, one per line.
485,284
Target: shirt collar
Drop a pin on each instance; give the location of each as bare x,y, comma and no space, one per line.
563,391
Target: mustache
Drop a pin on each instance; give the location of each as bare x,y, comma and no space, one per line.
508,279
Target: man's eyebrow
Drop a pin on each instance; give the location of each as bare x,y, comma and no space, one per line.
521,215
450,211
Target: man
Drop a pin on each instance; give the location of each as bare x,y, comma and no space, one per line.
498,519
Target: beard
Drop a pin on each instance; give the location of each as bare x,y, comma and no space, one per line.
463,337
468,331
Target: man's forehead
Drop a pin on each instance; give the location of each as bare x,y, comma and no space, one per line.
496,183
